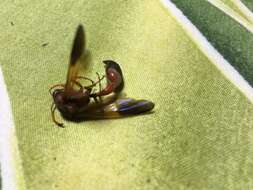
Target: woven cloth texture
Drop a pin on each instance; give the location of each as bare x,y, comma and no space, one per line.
198,137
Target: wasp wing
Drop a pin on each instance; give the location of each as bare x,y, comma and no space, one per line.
119,108
76,53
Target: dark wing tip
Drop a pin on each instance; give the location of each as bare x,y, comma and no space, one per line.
78,45
128,107
149,105
80,27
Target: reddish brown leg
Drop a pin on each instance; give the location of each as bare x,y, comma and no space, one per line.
94,95
100,87
53,108
57,85
107,90
92,85
79,84
81,77
95,83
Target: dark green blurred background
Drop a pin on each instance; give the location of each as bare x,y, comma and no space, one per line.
232,40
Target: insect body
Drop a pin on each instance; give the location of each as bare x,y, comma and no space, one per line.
115,81
77,102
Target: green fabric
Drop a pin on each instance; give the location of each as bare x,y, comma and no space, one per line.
199,136
232,40
235,7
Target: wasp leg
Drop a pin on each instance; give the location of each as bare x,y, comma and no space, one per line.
92,82
95,83
57,85
100,86
79,84
53,108
81,77
94,95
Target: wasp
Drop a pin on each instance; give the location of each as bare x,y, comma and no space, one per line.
77,102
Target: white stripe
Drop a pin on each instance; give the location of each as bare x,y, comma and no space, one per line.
212,54
230,12
245,10
11,171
